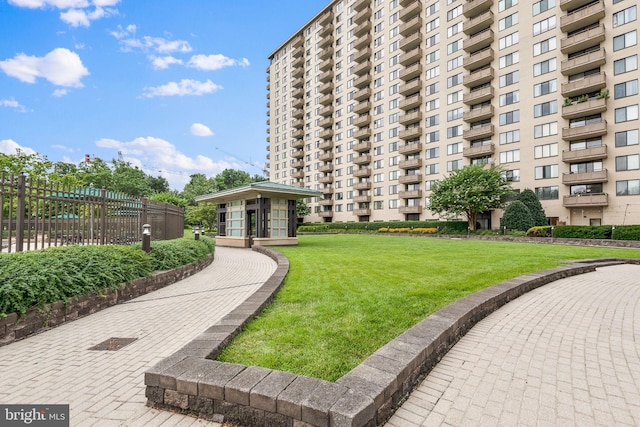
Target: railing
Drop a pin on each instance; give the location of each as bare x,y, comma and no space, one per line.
36,215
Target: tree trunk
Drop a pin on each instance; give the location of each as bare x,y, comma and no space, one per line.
472,218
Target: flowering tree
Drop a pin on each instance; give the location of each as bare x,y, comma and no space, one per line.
470,191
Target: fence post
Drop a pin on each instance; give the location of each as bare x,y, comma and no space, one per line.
20,212
103,216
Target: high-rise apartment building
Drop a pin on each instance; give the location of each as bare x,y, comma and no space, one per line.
372,101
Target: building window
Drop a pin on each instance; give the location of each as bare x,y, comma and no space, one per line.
509,98
624,16
544,88
509,59
454,165
545,108
506,4
509,78
432,153
512,175
544,46
510,137
627,163
508,21
510,156
625,40
625,65
454,148
625,138
546,150
454,114
508,40
622,90
628,188
544,25
510,117
546,172
454,13
545,129
547,193
544,67
432,169
454,131
625,114
543,6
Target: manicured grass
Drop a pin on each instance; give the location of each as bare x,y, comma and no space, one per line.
347,295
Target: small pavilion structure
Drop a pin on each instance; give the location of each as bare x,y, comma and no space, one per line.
260,213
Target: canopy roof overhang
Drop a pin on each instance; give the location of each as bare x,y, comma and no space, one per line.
257,190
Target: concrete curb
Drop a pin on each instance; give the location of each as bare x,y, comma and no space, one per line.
191,382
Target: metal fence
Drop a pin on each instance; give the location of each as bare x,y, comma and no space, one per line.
36,214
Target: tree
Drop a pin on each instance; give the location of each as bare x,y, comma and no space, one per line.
35,166
470,191
202,214
198,185
302,209
231,178
529,198
517,216
169,197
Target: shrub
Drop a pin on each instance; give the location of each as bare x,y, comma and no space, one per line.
544,231
582,232
355,227
170,254
627,232
529,198
517,216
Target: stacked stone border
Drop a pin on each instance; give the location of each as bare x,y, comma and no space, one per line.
14,327
191,382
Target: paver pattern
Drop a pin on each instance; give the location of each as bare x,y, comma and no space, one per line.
106,388
567,353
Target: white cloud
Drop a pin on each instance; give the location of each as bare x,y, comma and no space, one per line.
157,156
63,148
83,18
151,44
121,33
185,87
12,103
215,62
163,62
60,67
59,93
198,129
77,13
60,4
9,146
105,3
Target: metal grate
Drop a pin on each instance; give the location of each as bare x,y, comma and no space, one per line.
113,344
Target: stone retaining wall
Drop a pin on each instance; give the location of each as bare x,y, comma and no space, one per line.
14,327
191,382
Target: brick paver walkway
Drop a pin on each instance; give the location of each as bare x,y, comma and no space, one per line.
107,387
567,353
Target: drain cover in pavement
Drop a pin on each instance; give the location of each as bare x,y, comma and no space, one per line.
113,344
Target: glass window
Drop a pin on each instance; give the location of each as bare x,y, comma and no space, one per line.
628,137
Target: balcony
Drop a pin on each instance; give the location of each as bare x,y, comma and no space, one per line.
326,31
411,56
585,155
478,41
297,41
585,200
362,94
297,103
480,151
477,114
584,62
414,178
297,113
326,99
326,65
326,134
411,26
362,29
484,131
326,168
477,24
362,212
410,102
297,93
366,185
361,147
410,118
410,164
362,55
362,134
327,179
362,68
297,144
326,111
411,42
582,40
478,78
414,86
326,202
327,189
326,76
361,121
410,148
586,108
583,132
327,122
410,11
326,145
362,16
325,53
358,5
325,214
362,42
585,177
476,7
298,134
298,62
572,4
297,72
478,59
589,84
582,17
415,194
326,157
363,159
362,81
299,51
410,133
298,124
410,209
297,154
362,107
326,87
362,199
477,96
362,173
326,18
298,175
298,83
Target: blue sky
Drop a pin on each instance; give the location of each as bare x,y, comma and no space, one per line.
177,86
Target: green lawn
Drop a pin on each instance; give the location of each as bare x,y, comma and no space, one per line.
347,295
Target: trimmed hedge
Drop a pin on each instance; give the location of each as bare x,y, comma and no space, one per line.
582,232
358,227
540,231
627,232
35,278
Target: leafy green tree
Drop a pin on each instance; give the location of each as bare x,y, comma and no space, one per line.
517,216
231,178
529,198
96,172
302,209
158,184
202,214
198,185
169,197
129,180
470,191
35,166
